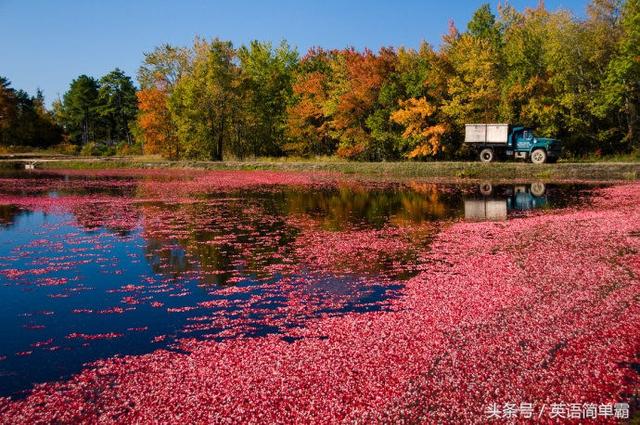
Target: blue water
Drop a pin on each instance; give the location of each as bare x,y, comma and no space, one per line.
98,263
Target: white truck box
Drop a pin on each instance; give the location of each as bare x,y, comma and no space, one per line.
486,133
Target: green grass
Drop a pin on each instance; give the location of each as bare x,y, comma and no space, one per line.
595,171
633,156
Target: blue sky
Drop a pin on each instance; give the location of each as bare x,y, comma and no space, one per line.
46,43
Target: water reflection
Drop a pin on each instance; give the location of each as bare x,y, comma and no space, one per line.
347,205
148,272
8,214
497,203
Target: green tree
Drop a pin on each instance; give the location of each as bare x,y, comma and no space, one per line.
24,120
204,101
7,109
80,118
555,68
165,64
265,85
46,130
622,84
483,25
117,105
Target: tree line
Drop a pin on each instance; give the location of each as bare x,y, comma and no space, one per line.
94,114
24,119
576,79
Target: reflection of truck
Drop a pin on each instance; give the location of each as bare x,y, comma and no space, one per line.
495,206
493,141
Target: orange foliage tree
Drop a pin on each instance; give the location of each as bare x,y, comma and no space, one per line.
155,123
424,136
355,98
307,124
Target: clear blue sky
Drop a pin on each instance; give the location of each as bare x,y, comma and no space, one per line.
47,43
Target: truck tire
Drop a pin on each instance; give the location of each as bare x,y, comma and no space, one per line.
539,156
538,189
486,189
487,155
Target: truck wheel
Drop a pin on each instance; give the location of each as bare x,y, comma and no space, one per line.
539,156
486,189
538,189
487,155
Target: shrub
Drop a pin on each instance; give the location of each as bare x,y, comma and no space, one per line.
97,149
125,149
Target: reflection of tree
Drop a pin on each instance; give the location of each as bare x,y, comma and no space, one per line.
426,201
164,258
346,205
224,236
219,240
9,213
334,208
69,183
116,215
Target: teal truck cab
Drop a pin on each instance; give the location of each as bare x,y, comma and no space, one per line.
496,141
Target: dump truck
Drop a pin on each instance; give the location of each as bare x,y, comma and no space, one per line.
501,141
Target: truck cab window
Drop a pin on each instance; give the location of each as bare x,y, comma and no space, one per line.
528,135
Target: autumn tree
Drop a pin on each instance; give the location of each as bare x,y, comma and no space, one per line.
161,70
358,78
204,100
423,135
418,89
157,130
569,77
165,64
307,120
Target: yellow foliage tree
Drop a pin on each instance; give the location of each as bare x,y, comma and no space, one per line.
416,116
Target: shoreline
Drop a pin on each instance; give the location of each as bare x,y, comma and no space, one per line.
468,171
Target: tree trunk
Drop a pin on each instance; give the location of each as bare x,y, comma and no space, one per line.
85,131
632,122
220,140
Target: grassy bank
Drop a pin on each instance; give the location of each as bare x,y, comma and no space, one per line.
458,170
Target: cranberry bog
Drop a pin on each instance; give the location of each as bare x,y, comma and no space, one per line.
193,296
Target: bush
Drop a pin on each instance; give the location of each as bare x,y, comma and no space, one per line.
97,149
126,149
66,149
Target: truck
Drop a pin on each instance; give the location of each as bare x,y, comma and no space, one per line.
501,141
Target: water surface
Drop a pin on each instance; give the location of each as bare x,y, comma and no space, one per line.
93,267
